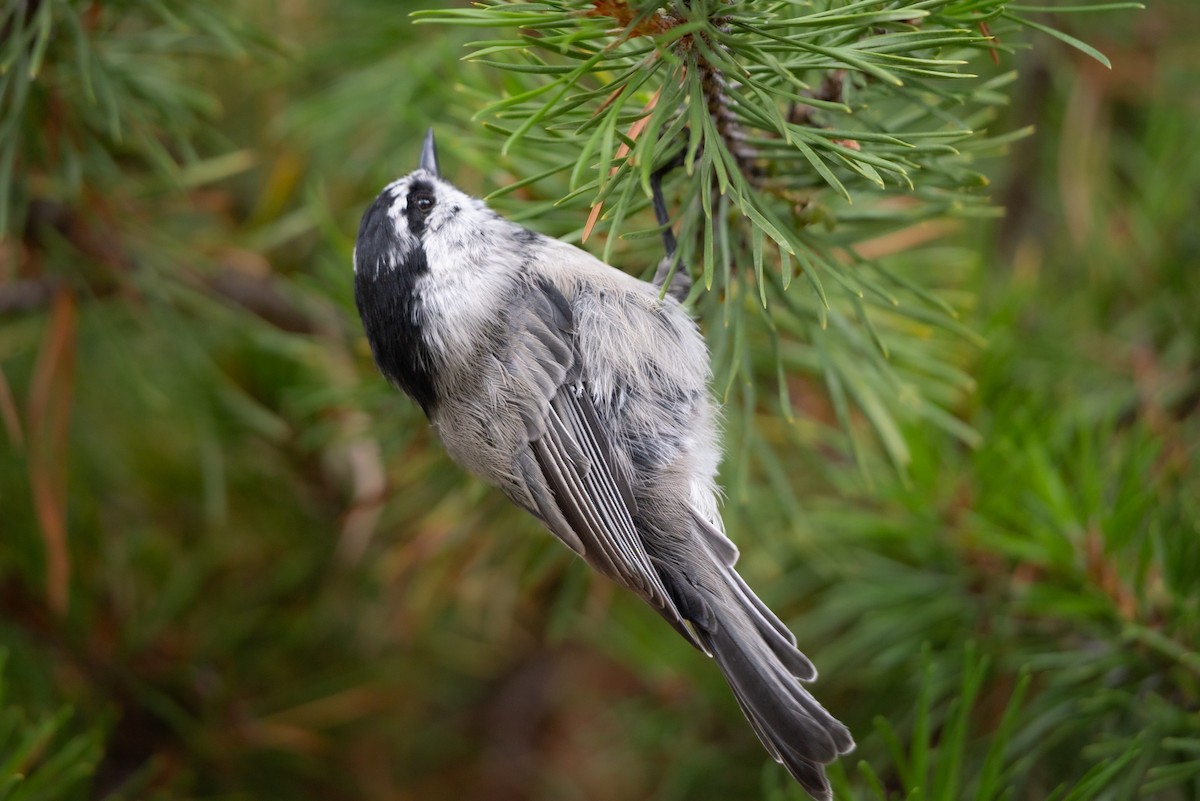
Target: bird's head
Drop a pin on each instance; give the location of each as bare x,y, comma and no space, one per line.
419,222
431,264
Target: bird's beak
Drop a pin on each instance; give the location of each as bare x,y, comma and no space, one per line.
429,155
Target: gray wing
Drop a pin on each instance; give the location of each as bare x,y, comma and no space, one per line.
577,485
573,479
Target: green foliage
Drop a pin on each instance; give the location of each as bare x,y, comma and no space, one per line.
91,92
937,766
805,129
242,561
37,762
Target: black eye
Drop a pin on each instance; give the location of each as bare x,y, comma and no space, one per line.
423,202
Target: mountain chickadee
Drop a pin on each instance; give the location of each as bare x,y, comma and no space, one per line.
582,393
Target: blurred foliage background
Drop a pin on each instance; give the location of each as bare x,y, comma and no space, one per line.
235,564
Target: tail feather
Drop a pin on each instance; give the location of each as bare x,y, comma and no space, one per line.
777,636
765,671
759,658
810,775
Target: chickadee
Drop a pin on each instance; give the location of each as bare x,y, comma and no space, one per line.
582,393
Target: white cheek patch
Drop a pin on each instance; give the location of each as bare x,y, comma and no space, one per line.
470,253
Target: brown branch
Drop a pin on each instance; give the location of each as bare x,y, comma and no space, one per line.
263,297
635,24
830,90
713,82
716,99
259,295
27,295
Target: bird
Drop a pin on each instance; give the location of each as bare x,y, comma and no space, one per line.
583,394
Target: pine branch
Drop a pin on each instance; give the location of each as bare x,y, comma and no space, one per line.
805,129
88,89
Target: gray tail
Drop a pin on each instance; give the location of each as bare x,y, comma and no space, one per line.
766,671
759,658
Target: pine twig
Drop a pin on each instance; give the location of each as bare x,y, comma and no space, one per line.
713,82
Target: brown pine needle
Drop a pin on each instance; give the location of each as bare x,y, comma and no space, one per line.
635,131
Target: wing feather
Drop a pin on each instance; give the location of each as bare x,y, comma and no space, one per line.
590,504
